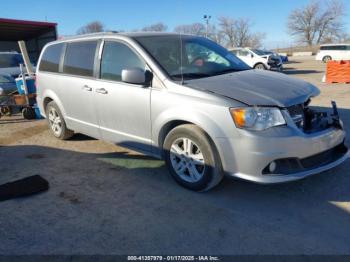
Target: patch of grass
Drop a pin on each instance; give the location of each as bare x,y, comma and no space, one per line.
132,163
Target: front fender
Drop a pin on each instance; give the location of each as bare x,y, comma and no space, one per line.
214,126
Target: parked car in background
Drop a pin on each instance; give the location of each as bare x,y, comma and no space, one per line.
189,101
7,85
9,63
257,59
333,52
282,57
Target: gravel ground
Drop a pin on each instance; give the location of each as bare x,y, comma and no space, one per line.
106,199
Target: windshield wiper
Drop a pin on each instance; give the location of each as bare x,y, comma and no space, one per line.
231,70
190,75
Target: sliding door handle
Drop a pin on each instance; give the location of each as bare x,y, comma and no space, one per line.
87,88
101,91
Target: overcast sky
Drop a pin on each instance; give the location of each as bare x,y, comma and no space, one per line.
268,16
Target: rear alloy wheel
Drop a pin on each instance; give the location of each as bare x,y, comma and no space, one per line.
192,158
259,66
326,59
56,122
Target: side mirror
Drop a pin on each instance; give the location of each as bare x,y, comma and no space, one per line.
136,76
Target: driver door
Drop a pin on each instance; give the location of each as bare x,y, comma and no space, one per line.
123,109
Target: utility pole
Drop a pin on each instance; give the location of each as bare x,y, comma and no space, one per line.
206,18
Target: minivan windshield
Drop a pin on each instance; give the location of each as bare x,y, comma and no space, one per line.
10,60
190,57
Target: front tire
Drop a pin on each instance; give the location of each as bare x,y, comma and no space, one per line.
192,158
56,122
260,66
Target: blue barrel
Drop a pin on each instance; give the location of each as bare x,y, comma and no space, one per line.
37,111
30,81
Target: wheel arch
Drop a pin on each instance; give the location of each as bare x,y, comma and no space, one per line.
51,96
208,129
259,63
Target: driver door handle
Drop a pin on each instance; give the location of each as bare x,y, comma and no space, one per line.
101,91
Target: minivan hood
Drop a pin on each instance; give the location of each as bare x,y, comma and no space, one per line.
257,88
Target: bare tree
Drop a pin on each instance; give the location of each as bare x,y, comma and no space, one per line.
193,29
238,32
227,26
216,35
255,40
158,27
317,22
92,27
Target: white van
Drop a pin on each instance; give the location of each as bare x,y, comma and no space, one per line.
333,52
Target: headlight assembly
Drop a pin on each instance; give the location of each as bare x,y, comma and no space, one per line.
257,118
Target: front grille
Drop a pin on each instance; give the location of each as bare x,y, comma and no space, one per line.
297,113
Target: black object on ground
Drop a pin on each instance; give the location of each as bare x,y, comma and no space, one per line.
28,113
23,187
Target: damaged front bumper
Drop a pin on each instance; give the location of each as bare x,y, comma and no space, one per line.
290,152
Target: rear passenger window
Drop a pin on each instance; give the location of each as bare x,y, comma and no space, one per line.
116,57
79,58
51,58
334,47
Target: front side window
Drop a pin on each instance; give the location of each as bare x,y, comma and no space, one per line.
79,58
243,52
117,56
189,57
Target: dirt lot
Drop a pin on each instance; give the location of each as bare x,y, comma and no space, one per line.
107,200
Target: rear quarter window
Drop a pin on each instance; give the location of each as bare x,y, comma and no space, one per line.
79,58
51,58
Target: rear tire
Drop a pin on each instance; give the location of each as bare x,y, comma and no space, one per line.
326,59
192,158
56,122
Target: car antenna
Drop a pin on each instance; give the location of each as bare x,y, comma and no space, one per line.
181,62
181,46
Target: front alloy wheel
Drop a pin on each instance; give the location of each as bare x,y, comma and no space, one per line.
192,158
259,67
187,160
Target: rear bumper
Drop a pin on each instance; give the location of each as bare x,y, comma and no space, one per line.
250,156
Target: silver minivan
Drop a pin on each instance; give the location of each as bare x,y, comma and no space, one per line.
191,102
